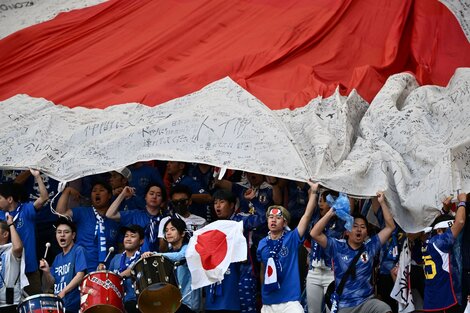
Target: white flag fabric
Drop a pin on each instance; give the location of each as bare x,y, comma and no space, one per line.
212,249
402,289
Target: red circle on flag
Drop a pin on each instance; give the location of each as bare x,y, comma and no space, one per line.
270,270
212,248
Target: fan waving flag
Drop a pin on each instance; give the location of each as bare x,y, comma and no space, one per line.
212,249
402,289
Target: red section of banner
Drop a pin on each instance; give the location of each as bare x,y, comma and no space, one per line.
283,52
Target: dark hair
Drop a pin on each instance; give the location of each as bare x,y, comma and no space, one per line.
133,228
223,194
327,192
358,215
65,221
180,225
181,189
4,226
155,184
103,183
14,190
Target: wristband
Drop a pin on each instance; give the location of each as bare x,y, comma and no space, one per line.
462,203
12,224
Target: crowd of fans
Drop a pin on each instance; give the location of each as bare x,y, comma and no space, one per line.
310,249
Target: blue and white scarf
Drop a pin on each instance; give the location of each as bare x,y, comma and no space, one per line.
99,231
124,265
151,231
273,275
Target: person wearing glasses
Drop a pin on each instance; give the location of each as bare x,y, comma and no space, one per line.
180,201
149,219
68,269
200,198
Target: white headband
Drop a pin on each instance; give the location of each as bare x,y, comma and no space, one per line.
444,224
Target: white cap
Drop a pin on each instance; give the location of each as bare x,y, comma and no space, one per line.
125,172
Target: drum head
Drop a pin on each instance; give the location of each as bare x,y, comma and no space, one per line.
160,297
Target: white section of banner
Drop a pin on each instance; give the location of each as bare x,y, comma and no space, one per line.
413,142
461,11
18,14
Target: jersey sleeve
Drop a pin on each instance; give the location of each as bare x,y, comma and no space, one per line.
80,260
445,241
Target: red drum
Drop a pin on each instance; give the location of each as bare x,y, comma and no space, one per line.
102,291
41,303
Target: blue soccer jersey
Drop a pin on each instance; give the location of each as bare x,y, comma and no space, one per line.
357,290
439,290
25,222
85,220
225,295
289,278
63,269
260,203
129,291
143,219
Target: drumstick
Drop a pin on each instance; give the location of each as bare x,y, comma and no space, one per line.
111,249
47,248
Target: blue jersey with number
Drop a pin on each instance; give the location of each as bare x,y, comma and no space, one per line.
439,290
357,290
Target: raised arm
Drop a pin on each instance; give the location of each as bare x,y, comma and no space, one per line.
277,184
113,211
47,278
317,230
17,244
460,215
387,231
62,204
43,193
312,202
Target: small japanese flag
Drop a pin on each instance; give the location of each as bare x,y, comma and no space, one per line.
270,276
212,249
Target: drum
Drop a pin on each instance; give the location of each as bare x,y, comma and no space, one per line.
155,285
42,303
102,292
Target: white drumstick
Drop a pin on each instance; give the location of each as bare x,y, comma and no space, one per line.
47,248
111,250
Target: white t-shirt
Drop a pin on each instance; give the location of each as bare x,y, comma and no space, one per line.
10,269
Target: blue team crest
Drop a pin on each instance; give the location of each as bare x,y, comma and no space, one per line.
364,257
113,233
263,198
284,251
19,223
